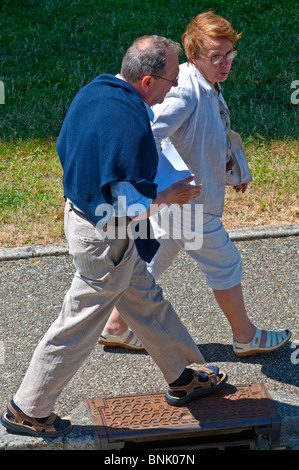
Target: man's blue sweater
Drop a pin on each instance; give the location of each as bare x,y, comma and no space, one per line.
106,137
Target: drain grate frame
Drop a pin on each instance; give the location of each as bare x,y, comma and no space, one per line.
235,416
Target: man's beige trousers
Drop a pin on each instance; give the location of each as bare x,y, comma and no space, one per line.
108,272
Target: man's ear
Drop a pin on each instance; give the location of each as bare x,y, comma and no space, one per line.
146,87
146,82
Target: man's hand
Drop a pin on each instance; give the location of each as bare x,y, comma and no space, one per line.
182,191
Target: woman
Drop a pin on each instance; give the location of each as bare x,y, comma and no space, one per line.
195,120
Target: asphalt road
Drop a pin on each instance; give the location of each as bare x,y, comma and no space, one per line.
32,291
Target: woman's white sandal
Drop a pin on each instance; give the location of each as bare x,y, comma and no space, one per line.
274,340
121,341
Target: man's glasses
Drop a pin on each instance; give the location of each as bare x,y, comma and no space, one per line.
218,58
174,82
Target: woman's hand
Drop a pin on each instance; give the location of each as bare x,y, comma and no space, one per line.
230,164
240,187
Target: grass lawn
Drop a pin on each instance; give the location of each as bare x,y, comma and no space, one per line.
49,49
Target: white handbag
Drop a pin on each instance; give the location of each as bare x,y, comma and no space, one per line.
240,173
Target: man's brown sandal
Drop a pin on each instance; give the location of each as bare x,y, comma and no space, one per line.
17,422
205,380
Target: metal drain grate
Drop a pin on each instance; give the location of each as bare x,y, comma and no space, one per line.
241,415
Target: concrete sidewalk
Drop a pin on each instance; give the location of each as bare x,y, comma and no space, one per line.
34,281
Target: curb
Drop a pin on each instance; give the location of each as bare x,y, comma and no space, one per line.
255,233
24,252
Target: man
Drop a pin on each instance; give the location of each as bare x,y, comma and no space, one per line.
106,146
